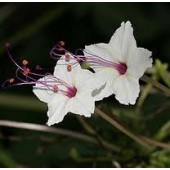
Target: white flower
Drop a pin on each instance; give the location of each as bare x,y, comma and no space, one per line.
68,90
120,64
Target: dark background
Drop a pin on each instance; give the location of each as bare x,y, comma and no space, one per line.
33,29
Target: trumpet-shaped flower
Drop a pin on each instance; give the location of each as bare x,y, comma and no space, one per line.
69,89
120,64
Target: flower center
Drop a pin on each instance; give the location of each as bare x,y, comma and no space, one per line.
121,68
71,92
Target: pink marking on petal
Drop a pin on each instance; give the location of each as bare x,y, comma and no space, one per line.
71,92
121,68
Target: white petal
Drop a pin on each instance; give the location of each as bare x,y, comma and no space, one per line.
42,92
126,90
108,76
123,42
86,80
61,72
139,61
102,50
57,109
83,104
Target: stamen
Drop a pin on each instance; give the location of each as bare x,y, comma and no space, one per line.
26,77
92,59
58,50
62,43
67,57
25,62
55,88
97,61
11,80
37,67
7,45
26,71
69,67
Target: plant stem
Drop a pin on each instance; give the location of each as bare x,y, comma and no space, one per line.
143,140
163,88
120,127
92,131
156,143
85,125
145,92
43,128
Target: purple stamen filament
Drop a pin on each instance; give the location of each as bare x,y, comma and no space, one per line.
94,60
97,61
50,82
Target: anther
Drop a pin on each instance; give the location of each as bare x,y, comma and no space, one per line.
62,43
69,67
7,45
67,57
25,62
11,80
37,67
55,88
26,71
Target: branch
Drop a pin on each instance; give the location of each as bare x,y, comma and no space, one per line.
59,131
163,88
89,129
120,127
143,140
156,143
